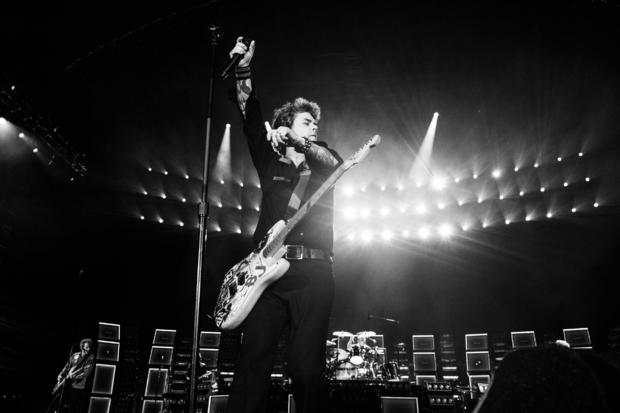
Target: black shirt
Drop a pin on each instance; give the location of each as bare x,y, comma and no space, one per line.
278,178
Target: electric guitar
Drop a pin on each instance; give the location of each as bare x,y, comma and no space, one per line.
72,372
245,282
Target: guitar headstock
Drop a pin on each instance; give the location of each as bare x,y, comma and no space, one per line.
359,156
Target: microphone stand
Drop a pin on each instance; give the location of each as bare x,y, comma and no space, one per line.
203,211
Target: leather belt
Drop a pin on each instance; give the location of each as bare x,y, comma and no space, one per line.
301,252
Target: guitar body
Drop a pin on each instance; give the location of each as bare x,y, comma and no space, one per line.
245,282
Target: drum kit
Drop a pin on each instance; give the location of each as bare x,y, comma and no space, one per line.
358,357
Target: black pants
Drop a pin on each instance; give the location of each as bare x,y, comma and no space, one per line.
300,300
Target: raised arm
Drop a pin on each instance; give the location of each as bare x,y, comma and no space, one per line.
242,72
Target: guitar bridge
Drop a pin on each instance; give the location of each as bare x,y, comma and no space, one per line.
232,289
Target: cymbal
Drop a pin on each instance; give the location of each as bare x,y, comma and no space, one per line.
366,333
342,334
330,343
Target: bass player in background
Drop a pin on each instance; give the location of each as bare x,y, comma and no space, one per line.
291,165
70,395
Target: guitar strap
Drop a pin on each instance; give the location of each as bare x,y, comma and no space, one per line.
300,189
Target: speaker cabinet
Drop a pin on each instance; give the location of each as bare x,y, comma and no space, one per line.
217,404
210,339
103,379
476,342
156,382
478,361
399,405
99,404
107,351
424,362
423,342
522,339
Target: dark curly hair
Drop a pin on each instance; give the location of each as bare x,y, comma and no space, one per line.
285,114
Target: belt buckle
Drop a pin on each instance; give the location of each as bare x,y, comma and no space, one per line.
294,252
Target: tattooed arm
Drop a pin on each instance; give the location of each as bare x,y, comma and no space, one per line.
244,88
321,156
242,72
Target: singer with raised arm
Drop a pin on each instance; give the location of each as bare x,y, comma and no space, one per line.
291,164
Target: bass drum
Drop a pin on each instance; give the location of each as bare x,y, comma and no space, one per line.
349,371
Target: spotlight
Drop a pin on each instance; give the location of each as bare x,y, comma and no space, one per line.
145,193
150,169
549,214
351,237
165,172
163,196
465,227
596,205
183,200
580,154
457,180
142,217
181,224
445,230
528,218
507,222
239,207
383,187
405,234
363,189
484,224
238,231
386,235
186,176
35,150
365,212
439,183
565,184
559,159
257,209
424,233
587,179
399,187
501,197
366,236
3,121
219,204
521,193
258,186
573,210
348,191
241,184
21,135
161,221
421,209
441,205
384,212
222,181
480,200
542,189
496,173
516,169
475,176
536,165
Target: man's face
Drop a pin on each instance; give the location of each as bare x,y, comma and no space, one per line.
305,126
86,347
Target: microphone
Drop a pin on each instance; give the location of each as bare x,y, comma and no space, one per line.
234,60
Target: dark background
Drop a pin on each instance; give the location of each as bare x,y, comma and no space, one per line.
127,85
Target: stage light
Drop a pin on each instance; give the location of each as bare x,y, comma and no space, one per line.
549,215
239,207
445,230
165,172
405,234
222,181
384,212
365,212
565,184
457,180
441,205
150,169
241,184
439,183
161,221
238,231
587,179
348,191
402,209
480,200
516,169
573,210
142,217
501,197
386,235
181,224
363,189
366,236
580,154
542,189
351,237
399,187
497,173
35,150
596,205
186,176
145,193
383,187
257,209
424,233
528,218
536,165
3,121
228,125
559,159
507,222
183,200
219,204
421,209
163,196
475,176
484,224
21,135
258,186
521,193
465,227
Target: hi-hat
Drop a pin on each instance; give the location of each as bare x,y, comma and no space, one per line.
330,343
342,334
366,334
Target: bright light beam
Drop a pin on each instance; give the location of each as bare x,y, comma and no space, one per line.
421,168
223,167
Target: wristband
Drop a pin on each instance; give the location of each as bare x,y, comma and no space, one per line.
242,72
305,147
